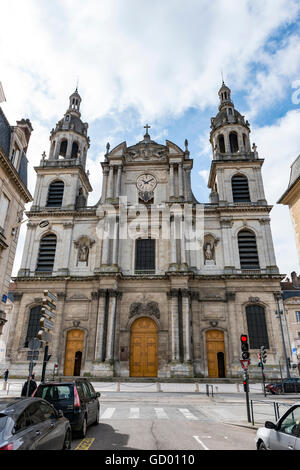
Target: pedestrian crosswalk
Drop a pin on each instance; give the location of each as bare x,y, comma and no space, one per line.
152,413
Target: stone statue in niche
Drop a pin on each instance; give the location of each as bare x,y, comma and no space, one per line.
83,245
209,250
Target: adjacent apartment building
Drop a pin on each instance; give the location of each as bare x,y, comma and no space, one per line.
14,195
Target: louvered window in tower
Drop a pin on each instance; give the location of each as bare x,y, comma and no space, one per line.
240,188
145,255
248,250
55,194
46,253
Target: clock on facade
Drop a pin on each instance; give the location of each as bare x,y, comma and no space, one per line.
146,182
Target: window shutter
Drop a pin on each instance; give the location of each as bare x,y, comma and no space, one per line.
47,253
55,194
248,250
240,188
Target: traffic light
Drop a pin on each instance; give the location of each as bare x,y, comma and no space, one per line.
245,383
245,347
263,354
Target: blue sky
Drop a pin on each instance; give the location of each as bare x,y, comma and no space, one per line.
160,63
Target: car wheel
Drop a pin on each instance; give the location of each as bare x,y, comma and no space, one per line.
82,432
262,446
68,440
97,421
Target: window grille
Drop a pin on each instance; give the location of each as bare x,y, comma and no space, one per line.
47,253
248,250
257,327
240,188
33,324
145,255
55,194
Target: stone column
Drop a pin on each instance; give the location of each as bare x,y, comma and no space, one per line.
182,243
69,148
119,177
180,180
188,184
110,189
58,346
104,183
111,325
171,183
186,325
100,325
115,243
173,295
173,255
105,244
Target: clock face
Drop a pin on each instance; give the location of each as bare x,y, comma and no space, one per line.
146,182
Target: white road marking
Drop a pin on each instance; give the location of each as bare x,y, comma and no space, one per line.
187,413
161,414
134,413
200,442
107,414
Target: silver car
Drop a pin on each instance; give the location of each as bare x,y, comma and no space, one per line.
284,435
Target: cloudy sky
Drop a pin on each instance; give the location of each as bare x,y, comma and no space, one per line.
159,62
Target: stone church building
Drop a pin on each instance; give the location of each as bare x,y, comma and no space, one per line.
135,296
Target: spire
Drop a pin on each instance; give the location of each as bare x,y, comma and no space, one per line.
75,100
224,95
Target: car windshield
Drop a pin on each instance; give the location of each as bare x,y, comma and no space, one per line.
3,420
55,392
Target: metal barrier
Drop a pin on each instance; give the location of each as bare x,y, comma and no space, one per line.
276,412
209,386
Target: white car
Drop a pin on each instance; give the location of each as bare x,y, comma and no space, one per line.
284,435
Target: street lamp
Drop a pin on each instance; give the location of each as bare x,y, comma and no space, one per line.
278,297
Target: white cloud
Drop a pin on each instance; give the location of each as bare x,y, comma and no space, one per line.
158,58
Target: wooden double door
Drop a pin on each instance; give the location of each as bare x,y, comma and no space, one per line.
144,348
73,354
215,351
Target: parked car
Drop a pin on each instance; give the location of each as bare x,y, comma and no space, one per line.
32,424
77,399
291,385
284,435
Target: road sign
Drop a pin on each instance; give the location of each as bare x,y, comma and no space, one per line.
44,336
48,304
34,343
49,294
32,355
47,324
46,311
245,363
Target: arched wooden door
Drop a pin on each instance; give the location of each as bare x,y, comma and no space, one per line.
144,348
74,349
215,352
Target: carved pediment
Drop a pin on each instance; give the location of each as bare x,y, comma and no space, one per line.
144,151
138,308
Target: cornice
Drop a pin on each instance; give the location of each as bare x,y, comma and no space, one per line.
14,177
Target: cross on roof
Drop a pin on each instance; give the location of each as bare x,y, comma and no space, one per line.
147,127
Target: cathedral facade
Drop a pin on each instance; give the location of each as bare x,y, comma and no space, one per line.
149,281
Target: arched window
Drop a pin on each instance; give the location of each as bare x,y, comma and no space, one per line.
75,149
257,327
33,324
46,253
233,140
145,255
221,143
55,194
245,141
63,148
240,188
248,250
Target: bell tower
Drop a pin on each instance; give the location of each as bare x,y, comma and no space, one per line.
60,196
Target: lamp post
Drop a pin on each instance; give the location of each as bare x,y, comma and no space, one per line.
278,297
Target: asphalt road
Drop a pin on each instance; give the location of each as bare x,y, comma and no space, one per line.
179,425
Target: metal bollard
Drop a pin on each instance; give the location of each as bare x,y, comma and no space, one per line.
196,387
238,388
157,386
118,387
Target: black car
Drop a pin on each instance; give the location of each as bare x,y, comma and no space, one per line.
77,399
32,424
291,385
